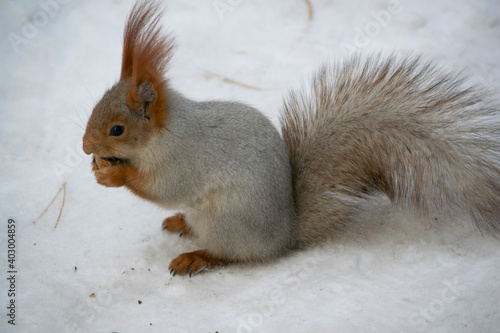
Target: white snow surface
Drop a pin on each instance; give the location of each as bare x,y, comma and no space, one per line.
395,273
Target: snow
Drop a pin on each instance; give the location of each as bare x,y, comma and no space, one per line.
395,273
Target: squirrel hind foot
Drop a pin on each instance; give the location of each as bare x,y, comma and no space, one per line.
192,263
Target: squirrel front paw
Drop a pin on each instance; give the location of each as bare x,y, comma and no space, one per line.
107,173
112,176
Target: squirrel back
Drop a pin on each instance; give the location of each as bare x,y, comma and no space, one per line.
393,125
225,166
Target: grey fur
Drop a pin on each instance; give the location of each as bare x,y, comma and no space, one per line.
393,125
225,165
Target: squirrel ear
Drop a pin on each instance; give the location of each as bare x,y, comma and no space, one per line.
146,98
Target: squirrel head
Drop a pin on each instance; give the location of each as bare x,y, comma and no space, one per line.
135,108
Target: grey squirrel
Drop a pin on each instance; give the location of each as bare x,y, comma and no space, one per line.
394,125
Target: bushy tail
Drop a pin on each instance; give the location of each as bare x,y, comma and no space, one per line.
392,125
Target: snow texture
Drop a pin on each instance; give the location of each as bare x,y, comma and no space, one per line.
394,274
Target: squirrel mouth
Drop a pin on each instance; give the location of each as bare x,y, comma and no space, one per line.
114,160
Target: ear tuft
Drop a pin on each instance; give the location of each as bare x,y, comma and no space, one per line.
146,53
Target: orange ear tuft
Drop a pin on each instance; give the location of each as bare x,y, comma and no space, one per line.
146,52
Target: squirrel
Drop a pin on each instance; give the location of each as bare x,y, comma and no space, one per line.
392,125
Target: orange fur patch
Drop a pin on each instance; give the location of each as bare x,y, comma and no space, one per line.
211,199
137,181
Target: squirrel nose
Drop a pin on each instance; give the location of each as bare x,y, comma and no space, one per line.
87,146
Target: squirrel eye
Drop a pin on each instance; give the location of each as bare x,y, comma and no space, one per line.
116,130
